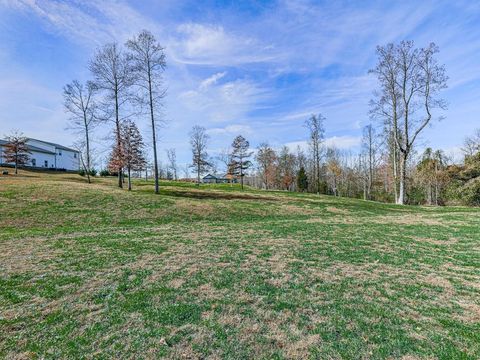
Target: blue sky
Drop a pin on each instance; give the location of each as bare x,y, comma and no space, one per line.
255,68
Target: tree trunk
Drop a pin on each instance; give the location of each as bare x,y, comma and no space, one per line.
395,173
129,179
403,177
87,140
154,136
117,123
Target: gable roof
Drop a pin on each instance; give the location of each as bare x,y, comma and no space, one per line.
32,148
216,176
58,146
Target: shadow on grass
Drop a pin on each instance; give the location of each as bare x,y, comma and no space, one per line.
215,195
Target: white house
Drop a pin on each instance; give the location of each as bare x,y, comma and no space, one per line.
47,155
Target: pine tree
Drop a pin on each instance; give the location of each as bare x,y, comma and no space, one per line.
128,152
239,157
133,147
302,180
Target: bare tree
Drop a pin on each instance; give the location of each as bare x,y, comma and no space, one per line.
79,101
16,150
186,171
149,64
286,169
315,126
172,162
410,79
113,74
198,140
334,169
266,158
239,157
471,145
370,147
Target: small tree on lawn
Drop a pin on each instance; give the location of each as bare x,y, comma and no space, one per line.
239,157
16,150
133,146
198,141
302,180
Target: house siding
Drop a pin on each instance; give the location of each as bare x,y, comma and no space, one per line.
55,156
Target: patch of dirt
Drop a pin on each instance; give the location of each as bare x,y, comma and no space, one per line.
337,210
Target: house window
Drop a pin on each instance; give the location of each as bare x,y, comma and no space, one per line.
46,163
74,155
34,162
59,152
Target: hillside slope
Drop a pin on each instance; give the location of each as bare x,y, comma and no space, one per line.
94,271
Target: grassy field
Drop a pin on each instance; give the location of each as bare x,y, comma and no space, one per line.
91,271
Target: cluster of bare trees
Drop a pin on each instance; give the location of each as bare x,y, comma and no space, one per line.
126,84
410,80
405,102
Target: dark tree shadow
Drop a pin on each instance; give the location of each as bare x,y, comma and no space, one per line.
215,195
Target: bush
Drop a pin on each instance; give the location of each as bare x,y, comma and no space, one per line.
104,173
92,172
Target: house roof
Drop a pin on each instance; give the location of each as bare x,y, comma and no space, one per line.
33,148
58,146
215,176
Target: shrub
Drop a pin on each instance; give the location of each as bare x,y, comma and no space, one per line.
92,172
104,173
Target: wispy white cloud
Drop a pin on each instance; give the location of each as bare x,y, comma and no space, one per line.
91,23
234,129
208,44
345,142
230,101
212,80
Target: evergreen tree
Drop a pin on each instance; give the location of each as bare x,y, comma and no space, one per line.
239,157
302,180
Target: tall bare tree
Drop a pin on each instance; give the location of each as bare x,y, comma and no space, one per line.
79,101
410,79
266,158
240,157
334,169
315,126
370,148
113,74
172,162
16,150
199,140
149,64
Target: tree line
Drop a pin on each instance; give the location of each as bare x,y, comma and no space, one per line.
127,85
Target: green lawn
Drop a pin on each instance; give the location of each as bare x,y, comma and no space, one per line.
91,271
